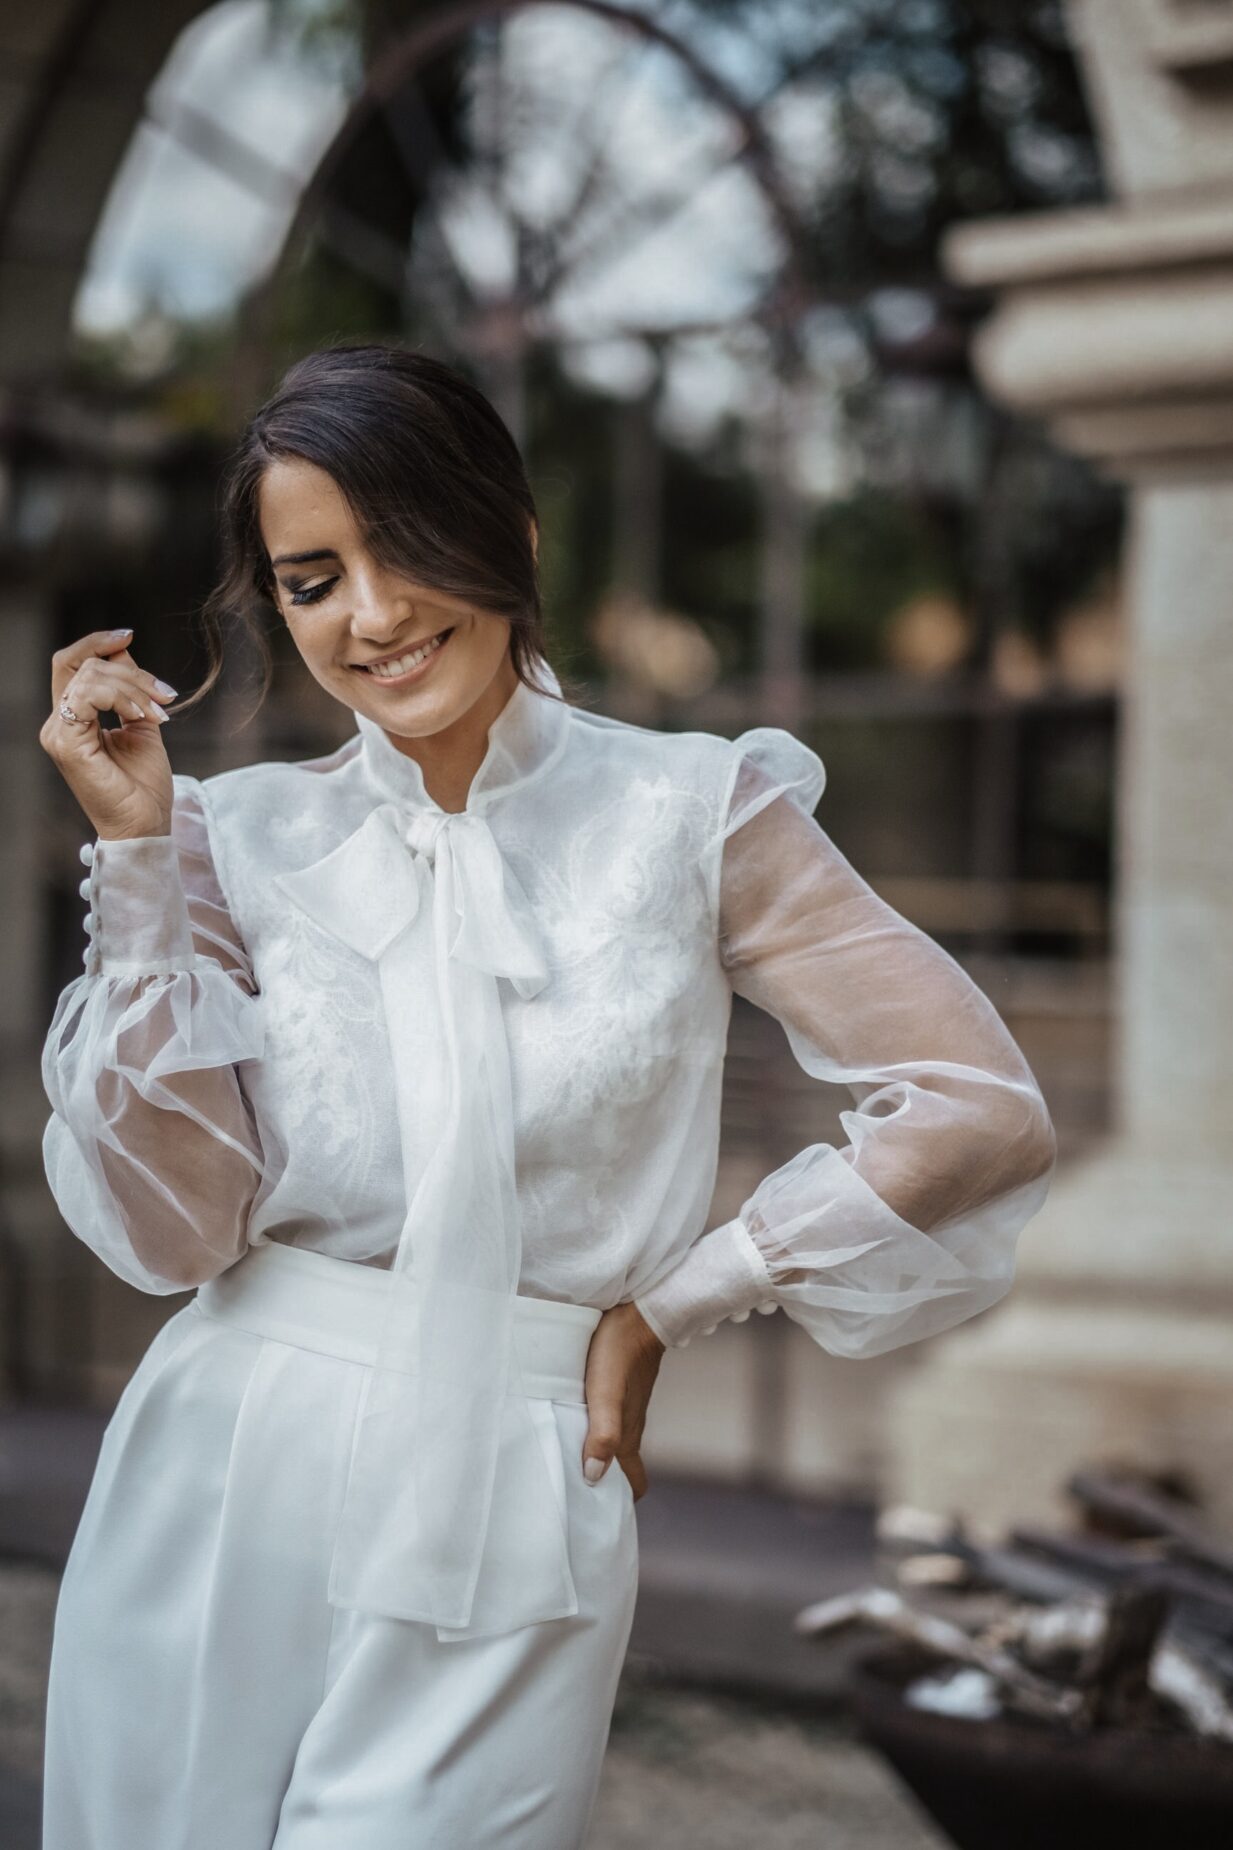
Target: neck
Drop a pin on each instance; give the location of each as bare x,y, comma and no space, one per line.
450,758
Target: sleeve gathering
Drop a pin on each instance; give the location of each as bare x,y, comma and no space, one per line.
151,1151
912,1225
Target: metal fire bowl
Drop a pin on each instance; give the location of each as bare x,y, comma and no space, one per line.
1012,1785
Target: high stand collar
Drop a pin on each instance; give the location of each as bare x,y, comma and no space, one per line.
527,735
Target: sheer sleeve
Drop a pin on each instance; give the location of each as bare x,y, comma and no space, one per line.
911,1226
151,1150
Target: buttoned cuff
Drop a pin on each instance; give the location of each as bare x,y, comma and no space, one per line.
138,916
722,1275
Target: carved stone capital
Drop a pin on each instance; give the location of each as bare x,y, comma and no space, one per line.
1115,325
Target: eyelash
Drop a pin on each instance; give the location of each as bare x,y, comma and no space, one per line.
314,593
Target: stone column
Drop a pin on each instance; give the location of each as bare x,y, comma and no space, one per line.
1116,326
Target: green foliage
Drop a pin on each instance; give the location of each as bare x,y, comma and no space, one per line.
868,557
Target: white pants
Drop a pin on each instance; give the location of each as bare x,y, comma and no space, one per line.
205,1696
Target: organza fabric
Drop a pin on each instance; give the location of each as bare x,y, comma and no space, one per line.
152,1151
912,1226
485,1051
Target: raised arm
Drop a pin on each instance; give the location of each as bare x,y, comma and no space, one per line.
911,1226
151,1151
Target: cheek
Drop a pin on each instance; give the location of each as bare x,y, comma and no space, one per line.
317,644
487,641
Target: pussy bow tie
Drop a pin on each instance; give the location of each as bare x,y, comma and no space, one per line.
450,1513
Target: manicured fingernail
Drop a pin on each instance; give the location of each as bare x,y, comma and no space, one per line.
162,687
594,1469
116,634
158,714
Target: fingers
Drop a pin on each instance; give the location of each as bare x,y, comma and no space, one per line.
620,1375
635,1471
65,662
99,686
107,650
612,1435
604,1437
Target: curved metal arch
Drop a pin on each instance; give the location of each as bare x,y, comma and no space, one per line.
394,68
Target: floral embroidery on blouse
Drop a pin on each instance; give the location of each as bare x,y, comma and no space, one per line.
220,1073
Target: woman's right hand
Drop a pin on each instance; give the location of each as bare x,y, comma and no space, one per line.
121,776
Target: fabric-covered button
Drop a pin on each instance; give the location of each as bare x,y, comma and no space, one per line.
768,1306
84,888
739,1316
86,854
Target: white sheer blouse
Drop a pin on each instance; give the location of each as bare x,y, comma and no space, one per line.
485,1049
218,1075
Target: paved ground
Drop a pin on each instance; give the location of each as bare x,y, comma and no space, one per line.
689,1769
686,1768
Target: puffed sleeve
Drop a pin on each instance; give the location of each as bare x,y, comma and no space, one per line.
151,1150
911,1226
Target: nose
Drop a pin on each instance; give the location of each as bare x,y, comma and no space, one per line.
381,606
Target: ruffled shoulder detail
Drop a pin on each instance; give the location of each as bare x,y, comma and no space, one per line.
765,763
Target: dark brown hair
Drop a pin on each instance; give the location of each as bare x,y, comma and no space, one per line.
429,472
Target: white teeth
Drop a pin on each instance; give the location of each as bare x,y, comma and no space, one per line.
387,670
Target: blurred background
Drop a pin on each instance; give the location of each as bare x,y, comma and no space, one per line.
873,368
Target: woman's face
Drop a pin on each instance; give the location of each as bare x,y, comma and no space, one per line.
411,658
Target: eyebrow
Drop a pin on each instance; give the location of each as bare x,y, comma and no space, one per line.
304,558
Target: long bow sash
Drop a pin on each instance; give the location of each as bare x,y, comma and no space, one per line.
454,1508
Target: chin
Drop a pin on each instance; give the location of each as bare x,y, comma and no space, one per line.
413,714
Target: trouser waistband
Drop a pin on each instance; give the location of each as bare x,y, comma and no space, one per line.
335,1306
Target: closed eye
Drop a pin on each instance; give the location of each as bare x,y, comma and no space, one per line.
314,593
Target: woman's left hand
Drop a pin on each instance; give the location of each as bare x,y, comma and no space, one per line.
622,1363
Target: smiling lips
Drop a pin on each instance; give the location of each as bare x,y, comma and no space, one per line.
403,664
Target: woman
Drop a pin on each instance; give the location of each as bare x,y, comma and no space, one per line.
408,1059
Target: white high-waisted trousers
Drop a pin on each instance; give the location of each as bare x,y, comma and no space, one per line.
205,1696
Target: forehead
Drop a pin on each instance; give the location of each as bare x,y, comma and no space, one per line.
299,506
